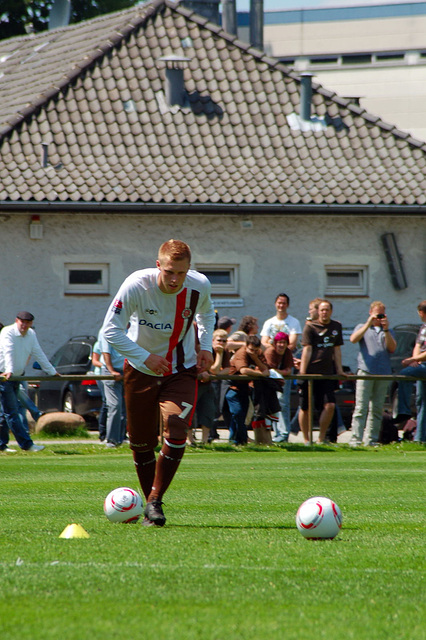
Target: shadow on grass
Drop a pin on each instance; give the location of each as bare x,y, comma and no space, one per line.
266,527
275,448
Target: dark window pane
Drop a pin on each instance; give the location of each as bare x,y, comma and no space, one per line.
84,276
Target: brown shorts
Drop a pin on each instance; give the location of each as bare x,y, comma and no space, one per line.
148,397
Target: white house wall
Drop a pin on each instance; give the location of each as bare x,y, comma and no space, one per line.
279,253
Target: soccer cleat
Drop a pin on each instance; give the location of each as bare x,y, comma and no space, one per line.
148,523
154,513
35,447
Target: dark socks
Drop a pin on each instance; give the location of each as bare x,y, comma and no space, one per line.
167,464
145,468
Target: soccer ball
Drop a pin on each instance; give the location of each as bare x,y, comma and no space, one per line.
319,519
123,505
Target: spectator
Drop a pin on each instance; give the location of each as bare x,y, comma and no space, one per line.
321,340
226,323
279,357
282,321
313,308
209,391
415,366
247,327
97,370
249,361
113,364
285,323
376,342
18,343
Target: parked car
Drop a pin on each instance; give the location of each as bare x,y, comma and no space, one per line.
84,398
405,336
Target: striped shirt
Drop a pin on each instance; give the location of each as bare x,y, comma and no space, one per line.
160,323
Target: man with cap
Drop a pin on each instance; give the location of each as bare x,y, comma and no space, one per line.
18,343
226,323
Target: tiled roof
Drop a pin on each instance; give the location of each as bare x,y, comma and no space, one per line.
93,94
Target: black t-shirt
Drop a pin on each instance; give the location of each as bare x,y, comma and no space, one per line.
322,338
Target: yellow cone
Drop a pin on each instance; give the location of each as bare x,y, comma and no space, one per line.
74,531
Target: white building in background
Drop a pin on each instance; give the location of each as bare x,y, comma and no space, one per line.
373,53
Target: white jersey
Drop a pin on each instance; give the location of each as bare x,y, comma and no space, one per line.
160,323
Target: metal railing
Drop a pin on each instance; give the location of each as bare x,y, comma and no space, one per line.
309,377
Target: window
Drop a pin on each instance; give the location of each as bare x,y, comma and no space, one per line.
223,278
346,280
86,278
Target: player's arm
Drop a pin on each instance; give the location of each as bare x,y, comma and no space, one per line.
114,330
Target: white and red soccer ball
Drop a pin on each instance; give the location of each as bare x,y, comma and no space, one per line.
319,518
123,505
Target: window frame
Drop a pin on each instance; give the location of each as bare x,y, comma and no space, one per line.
346,290
86,289
220,289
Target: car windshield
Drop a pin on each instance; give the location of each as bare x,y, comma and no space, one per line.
71,354
405,341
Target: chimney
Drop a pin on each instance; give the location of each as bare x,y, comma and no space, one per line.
256,23
229,16
207,8
175,86
305,95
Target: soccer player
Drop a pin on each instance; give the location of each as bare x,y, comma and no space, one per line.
160,372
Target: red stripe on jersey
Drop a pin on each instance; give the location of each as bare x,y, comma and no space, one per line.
177,327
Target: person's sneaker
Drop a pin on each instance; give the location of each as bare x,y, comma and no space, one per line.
154,513
277,439
8,450
354,444
35,447
110,445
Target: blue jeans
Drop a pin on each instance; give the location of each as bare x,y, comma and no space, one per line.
404,397
238,402
116,411
26,402
103,412
9,397
285,407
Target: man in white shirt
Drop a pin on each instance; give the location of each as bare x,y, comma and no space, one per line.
285,323
18,343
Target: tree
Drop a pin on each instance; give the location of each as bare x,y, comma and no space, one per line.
18,17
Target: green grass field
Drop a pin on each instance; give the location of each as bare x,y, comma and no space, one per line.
230,563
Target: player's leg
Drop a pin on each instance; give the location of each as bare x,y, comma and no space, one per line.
178,396
141,394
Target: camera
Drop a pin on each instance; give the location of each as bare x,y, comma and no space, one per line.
380,316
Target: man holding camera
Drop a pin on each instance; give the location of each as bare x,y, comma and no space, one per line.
376,342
